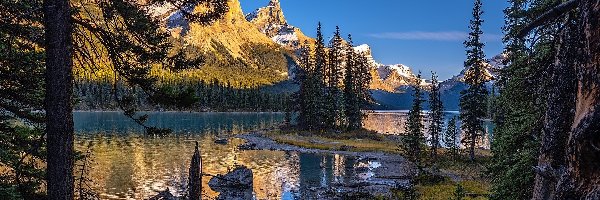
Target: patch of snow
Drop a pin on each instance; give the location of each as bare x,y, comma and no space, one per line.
363,48
402,70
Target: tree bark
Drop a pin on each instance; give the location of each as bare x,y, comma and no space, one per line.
558,116
59,111
581,180
569,166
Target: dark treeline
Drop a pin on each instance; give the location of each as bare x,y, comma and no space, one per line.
334,85
203,97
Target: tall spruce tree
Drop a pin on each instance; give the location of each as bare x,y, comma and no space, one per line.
304,93
352,89
333,77
436,115
450,137
58,107
472,100
413,140
364,78
310,93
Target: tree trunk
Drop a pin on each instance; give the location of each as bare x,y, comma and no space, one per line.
569,166
581,180
59,88
559,114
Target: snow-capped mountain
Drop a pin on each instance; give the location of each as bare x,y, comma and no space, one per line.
271,21
492,71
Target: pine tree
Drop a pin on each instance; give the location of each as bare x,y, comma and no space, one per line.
352,89
309,91
363,76
413,140
311,95
319,91
450,137
320,56
472,100
436,115
333,78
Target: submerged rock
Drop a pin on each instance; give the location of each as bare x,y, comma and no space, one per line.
237,184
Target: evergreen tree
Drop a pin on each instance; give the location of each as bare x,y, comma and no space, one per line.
472,100
450,137
521,103
352,89
320,56
333,77
436,115
413,140
364,78
311,94
22,92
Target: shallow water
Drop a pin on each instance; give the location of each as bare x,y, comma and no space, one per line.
127,165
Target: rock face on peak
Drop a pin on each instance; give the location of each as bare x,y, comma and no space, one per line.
271,21
234,50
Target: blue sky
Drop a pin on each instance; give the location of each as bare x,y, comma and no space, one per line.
425,34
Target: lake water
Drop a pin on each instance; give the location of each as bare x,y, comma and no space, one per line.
128,165
393,123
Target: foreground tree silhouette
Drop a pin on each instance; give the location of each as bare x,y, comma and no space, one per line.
59,88
125,35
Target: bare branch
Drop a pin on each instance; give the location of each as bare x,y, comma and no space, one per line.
550,15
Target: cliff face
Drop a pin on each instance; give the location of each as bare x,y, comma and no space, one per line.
271,21
234,50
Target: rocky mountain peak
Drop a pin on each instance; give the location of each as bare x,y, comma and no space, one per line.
271,21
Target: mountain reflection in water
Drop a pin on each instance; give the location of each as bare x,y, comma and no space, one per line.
127,165
393,123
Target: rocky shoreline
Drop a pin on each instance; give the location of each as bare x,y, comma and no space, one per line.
386,172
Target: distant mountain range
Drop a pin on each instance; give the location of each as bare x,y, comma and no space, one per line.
261,47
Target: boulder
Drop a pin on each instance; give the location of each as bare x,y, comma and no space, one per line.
237,184
240,178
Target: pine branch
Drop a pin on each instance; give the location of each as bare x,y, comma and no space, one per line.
550,15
